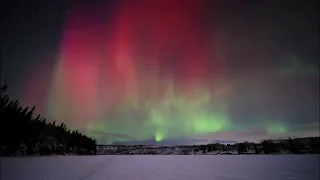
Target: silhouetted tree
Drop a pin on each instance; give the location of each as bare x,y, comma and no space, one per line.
269,147
256,149
209,148
293,149
203,148
31,135
242,148
315,144
213,147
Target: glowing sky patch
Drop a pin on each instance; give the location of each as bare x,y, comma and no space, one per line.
151,73
277,129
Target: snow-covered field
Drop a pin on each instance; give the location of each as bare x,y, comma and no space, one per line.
159,167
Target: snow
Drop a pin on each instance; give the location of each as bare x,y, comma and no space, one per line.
161,167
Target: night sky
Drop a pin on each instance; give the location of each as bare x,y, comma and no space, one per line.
166,71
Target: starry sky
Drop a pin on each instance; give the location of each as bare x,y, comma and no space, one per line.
169,71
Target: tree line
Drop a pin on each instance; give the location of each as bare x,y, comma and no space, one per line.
24,134
309,145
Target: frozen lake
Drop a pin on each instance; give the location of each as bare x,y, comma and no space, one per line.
153,167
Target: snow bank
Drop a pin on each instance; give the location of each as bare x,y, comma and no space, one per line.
157,167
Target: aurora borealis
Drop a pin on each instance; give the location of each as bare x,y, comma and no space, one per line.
170,69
